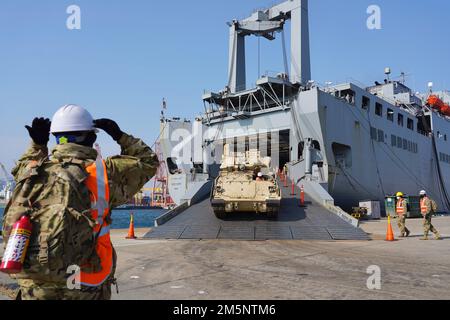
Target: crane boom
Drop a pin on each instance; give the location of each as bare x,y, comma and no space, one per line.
5,173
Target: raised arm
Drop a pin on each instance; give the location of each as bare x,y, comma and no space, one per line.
40,134
130,171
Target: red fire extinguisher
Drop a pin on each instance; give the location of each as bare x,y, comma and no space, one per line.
17,246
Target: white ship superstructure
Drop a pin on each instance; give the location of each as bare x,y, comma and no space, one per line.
344,143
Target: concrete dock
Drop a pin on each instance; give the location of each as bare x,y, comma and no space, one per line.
282,269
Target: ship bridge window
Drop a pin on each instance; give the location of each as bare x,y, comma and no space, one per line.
348,95
393,141
380,135
399,142
390,115
443,157
400,120
365,103
405,144
410,124
379,109
373,133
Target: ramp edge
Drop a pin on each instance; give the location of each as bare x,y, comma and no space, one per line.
166,217
319,194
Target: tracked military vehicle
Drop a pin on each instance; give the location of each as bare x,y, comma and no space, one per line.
245,184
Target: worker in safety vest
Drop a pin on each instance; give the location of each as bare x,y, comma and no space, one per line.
402,210
428,207
75,182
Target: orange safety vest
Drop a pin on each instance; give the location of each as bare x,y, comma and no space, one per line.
401,208
423,207
97,183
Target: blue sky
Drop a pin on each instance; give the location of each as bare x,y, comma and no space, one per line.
130,54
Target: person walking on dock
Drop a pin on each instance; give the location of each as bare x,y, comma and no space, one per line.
428,207
401,210
285,171
69,197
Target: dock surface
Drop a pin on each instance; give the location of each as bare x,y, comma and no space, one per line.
278,269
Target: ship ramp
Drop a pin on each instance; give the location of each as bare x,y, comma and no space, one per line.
311,222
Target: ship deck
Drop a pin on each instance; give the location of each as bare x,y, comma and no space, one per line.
311,222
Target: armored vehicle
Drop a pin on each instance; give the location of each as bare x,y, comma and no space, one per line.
245,184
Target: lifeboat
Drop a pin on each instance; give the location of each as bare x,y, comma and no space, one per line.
436,103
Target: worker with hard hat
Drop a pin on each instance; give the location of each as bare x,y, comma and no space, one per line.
428,207
285,170
69,197
402,210
260,177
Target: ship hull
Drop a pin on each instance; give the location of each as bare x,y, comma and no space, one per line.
354,156
367,156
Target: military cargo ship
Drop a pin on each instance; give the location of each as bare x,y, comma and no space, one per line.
344,143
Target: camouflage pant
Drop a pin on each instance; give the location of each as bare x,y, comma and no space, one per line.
401,222
36,290
33,290
427,226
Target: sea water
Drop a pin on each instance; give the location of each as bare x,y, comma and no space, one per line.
121,218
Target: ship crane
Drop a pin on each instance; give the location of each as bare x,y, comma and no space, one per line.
160,196
265,23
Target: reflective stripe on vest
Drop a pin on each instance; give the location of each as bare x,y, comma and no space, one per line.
97,183
401,209
423,206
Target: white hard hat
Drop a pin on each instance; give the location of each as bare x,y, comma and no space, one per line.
72,118
260,174
423,193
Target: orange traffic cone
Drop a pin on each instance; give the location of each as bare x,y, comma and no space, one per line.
131,230
390,232
302,196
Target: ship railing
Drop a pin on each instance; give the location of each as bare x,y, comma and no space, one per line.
360,84
250,102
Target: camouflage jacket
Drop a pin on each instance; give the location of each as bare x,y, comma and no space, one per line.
428,203
127,173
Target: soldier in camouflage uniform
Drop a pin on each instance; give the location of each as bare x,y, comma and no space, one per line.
428,208
401,210
127,174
